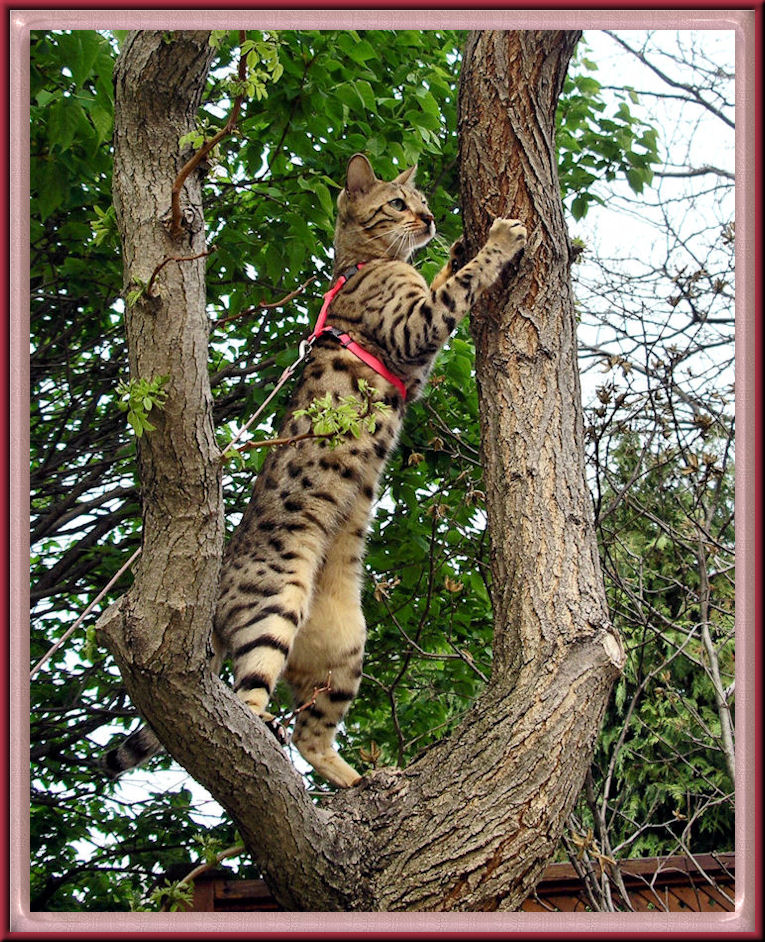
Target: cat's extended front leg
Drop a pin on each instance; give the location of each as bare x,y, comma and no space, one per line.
452,297
507,237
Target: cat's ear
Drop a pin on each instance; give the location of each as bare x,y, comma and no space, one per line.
360,177
406,177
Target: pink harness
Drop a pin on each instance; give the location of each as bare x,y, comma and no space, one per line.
345,339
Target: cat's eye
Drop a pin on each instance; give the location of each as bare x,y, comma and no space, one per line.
398,204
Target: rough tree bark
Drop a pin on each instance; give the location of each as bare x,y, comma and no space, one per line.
471,824
160,631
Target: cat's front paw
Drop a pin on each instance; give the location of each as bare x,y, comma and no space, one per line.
509,234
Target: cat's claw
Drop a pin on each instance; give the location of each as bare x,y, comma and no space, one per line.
275,727
510,234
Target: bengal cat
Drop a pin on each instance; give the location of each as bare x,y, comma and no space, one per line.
290,590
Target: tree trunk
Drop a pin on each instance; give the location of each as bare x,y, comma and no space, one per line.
471,824
160,631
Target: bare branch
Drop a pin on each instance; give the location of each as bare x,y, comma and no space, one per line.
690,89
176,227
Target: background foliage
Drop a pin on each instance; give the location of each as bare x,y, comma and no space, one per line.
661,458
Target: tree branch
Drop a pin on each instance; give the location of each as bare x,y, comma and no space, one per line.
174,258
696,172
693,92
159,633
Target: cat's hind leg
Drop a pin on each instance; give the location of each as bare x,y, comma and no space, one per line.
259,613
324,666
316,727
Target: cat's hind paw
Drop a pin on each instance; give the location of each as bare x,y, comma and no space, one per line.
330,765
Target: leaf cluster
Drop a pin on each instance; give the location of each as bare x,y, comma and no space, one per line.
138,397
351,416
597,145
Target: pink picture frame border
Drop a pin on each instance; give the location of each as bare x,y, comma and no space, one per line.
746,920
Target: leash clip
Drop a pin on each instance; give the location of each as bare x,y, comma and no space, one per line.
304,349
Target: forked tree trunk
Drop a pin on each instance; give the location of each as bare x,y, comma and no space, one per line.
471,824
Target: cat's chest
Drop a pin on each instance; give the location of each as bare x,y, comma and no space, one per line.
331,369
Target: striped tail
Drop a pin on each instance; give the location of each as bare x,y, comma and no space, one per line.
133,751
142,745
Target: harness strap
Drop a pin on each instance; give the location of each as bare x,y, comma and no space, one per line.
345,339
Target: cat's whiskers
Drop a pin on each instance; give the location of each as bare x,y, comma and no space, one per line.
402,238
406,241
392,242
398,242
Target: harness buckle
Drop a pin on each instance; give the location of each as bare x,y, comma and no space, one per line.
340,336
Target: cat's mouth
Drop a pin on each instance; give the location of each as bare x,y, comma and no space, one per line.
426,233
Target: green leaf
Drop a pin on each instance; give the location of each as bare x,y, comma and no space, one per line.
102,120
636,180
366,94
135,423
51,194
360,51
64,121
579,206
87,47
327,203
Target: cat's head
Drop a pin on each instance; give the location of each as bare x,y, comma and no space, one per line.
379,219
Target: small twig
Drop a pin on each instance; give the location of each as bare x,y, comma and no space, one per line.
429,655
265,305
584,871
174,258
288,297
203,868
176,229
325,688
220,321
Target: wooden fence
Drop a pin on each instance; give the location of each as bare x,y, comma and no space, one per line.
661,884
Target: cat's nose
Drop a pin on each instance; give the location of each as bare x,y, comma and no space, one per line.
428,218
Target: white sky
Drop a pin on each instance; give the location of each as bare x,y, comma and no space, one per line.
632,229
